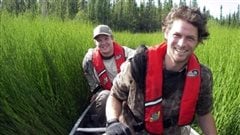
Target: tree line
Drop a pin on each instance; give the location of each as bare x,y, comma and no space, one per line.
231,19
143,16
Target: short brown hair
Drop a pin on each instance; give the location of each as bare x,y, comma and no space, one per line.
191,15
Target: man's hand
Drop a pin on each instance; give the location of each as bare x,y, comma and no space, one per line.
117,128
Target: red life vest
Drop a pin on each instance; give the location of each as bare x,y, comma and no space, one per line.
119,57
153,97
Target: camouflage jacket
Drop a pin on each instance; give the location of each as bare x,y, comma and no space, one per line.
129,86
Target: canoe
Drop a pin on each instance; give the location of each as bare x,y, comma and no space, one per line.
85,124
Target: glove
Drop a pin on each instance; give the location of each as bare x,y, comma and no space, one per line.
118,128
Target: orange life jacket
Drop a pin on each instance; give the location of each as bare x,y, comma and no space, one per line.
119,57
153,97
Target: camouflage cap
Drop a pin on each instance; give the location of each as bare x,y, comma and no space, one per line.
102,30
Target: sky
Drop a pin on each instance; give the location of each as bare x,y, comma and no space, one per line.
229,6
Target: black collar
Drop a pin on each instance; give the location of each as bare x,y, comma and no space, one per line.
108,57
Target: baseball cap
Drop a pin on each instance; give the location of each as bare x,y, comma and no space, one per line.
102,29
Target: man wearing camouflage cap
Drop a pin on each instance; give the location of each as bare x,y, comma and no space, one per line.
101,64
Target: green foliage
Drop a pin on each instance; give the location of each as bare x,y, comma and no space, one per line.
42,89
221,55
91,10
132,15
73,8
102,11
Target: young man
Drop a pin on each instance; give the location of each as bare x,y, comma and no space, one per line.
101,64
161,89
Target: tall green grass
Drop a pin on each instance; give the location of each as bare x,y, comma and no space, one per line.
221,54
42,87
